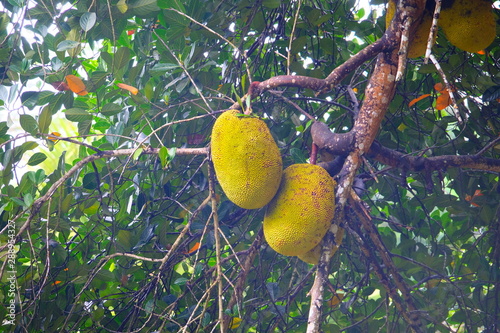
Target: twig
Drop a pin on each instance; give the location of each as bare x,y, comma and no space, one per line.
238,51
292,34
80,164
295,105
411,316
433,31
456,113
215,217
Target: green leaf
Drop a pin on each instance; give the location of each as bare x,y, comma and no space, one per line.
44,120
491,94
122,57
87,21
111,109
163,155
37,158
89,181
144,7
26,146
273,4
67,45
3,128
137,153
84,127
77,115
162,68
45,97
30,98
181,281
28,123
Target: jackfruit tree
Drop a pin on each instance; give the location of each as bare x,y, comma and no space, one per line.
352,188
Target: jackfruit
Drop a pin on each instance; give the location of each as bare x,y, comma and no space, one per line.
312,257
418,42
246,159
300,214
469,24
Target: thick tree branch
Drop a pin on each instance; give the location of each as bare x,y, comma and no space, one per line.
378,95
416,163
335,143
341,144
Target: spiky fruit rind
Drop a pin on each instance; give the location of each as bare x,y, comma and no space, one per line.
312,256
418,45
246,159
300,214
469,24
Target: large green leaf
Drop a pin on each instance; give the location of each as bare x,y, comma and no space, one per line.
28,123
144,8
77,115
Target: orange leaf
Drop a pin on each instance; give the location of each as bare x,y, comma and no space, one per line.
413,101
443,100
482,52
54,136
133,90
439,87
56,283
470,198
76,85
195,248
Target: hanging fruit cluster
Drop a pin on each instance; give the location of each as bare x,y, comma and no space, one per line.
469,25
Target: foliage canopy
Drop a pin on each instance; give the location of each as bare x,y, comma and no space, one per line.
119,223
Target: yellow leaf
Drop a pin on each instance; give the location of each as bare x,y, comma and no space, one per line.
402,127
433,283
76,85
122,6
336,299
133,90
235,323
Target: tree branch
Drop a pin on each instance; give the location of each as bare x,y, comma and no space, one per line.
417,163
35,208
411,314
239,286
342,143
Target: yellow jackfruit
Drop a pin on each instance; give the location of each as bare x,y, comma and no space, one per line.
246,159
312,257
469,24
300,214
418,42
